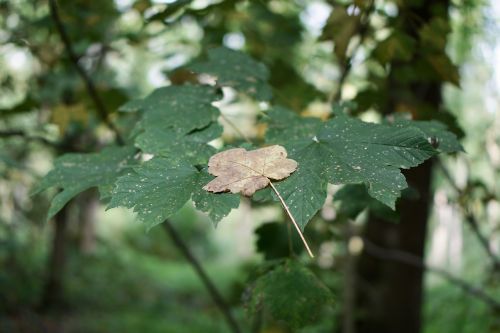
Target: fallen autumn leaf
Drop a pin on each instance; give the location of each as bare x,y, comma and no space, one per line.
239,170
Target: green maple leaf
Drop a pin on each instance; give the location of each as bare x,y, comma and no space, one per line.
290,293
237,70
347,151
304,193
184,108
436,131
286,126
160,187
75,173
216,206
175,144
178,122
355,199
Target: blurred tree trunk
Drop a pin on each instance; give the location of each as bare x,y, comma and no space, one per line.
52,295
389,294
88,204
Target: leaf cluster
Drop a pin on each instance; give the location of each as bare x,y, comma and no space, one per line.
177,123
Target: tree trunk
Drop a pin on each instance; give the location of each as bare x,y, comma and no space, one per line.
52,296
88,204
389,294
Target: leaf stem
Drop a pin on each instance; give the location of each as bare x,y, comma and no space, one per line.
235,128
292,219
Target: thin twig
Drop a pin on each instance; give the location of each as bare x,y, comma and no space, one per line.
470,219
292,219
412,260
99,104
335,95
101,108
214,293
235,128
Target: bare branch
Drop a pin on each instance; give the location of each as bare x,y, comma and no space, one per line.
214,293
470,218
99,104
412,260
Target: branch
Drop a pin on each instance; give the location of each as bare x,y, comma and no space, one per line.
412,260
470,219
101,109
214,293
334,96
99,105
293,220
24,135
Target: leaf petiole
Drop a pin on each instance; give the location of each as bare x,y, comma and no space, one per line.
292,219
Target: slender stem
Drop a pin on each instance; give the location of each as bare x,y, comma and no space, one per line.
470,219
412,260
235,128
212,289
99,104
292,219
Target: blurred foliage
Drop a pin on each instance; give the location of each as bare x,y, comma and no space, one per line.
133,281
290,293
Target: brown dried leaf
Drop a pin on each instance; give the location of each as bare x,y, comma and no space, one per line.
239,170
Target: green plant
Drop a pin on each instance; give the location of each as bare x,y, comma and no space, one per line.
177,123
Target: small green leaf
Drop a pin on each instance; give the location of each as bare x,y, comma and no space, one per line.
132,106
216,205
304,193
273,240
436,132
75,173
292,294
184,108
264,195
155,190
172,143
355,199
160,187
287,126
237,70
